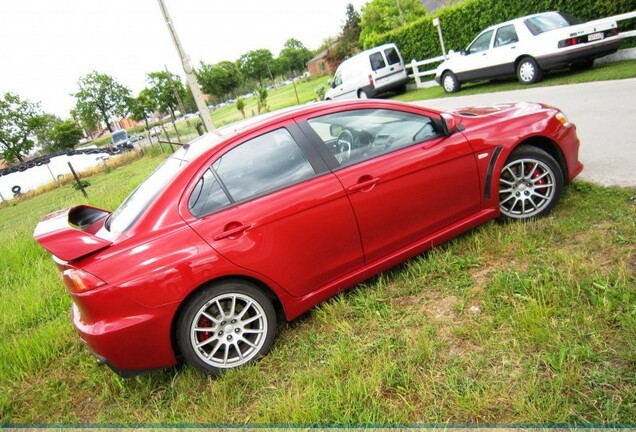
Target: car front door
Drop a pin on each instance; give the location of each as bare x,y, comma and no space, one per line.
404,178
476,60
268,208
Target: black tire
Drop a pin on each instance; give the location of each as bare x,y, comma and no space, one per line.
362,94
231,341
530,185
529,71
450,83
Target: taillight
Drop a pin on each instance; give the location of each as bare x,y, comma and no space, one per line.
613,32
78,281
568,42
370,79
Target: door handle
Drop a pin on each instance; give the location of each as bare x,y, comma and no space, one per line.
232,232
364,184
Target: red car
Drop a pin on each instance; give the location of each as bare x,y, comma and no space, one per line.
280,212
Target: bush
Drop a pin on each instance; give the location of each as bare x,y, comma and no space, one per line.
462,22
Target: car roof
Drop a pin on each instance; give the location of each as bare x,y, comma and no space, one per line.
517,20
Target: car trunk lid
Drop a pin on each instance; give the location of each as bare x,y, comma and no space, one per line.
70,234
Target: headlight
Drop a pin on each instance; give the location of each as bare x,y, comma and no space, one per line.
563,119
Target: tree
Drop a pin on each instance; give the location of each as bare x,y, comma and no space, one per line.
142,106
261,101
240,105
64,135
294,56
20,122
381,16
165,92
257,64
348,42
219,79
100,97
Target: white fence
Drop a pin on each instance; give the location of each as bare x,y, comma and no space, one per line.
419,74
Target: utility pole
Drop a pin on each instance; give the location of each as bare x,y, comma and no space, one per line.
191,79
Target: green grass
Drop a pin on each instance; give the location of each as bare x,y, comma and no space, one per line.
600,72
514,323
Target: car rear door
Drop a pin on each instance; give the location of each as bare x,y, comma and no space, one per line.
270,206
387,66
404,179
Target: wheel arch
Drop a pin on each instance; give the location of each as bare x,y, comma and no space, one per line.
551,148
270,293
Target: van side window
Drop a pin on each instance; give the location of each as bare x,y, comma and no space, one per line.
392,56
337,80
377,61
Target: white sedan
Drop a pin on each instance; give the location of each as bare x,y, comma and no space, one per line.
527,47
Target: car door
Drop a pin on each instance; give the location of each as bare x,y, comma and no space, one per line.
404,178
476,60
501,58
387,66
268,208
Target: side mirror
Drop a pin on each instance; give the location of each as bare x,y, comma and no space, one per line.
335,130
449,124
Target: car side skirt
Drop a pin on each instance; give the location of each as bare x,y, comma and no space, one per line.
298,306
493,72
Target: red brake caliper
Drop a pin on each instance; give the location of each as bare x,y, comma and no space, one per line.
204,322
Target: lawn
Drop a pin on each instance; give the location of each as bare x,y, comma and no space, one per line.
513,323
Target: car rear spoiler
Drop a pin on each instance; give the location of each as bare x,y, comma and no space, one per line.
67,234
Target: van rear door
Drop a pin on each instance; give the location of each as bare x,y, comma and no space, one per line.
388,68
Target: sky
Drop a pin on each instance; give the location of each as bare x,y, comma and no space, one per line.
46,45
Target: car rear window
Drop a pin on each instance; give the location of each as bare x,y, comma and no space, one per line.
377,62
550,21
392,56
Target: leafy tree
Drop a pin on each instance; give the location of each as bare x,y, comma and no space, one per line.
64,135
240,105
348,42
219,79
99,98
163,90
20,122
261,101
294,56
142,106
381,16
257,64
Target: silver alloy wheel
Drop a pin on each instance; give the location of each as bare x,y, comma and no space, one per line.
527,71
526,187
229,330
449,83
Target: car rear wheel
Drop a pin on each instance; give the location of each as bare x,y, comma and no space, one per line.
226,325
362,94
530,184
528,71
450,82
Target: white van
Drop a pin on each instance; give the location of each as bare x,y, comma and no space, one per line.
369,73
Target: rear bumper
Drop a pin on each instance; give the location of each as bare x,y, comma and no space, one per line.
132,339
585,52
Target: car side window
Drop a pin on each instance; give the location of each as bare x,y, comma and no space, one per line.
506,35
377,61
358,135
258,166
337,80
482,43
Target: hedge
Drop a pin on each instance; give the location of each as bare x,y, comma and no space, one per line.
463,21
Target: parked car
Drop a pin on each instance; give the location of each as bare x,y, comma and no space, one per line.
120,139
368,74
527,47
273,215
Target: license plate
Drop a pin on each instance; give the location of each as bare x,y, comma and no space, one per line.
594,36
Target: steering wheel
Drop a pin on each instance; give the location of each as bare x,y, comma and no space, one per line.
344,146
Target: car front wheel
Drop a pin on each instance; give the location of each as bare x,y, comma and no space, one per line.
450,82
528,71
530,184
226,325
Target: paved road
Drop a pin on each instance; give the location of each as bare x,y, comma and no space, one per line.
605,116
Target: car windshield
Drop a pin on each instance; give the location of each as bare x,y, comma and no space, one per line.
550,21
133,206
118,136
